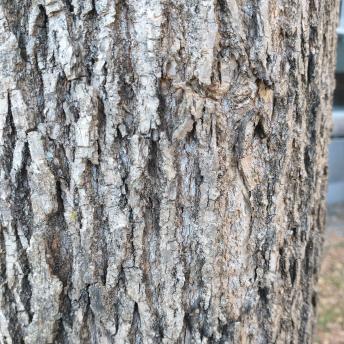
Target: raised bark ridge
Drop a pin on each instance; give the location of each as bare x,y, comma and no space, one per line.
163,169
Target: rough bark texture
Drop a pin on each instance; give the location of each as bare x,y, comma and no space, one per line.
163,169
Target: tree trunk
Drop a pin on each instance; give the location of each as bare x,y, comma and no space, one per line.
163,169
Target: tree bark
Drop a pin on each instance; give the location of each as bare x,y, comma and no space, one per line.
163,169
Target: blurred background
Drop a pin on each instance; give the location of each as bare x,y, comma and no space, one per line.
331,282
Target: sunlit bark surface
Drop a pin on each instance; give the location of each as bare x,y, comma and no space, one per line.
163,169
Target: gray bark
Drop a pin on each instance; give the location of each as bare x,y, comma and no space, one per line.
163,169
